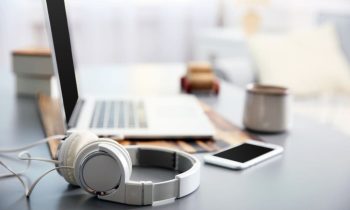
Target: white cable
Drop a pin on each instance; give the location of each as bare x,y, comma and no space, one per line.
29,190
56,137
29,158
26,155
18,173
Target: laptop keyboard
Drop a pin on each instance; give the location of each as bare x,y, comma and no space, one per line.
119,114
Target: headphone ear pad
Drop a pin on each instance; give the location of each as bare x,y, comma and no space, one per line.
69,150
122,149
92,175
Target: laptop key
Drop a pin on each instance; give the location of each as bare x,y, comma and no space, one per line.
111,115
131,113
118,114
101,115
95,115
121,119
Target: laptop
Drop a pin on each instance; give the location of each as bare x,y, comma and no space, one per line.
128,116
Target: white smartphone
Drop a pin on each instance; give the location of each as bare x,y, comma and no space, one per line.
244,155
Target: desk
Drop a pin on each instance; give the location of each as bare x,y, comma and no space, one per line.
313,173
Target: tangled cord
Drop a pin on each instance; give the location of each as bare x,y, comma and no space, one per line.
25,155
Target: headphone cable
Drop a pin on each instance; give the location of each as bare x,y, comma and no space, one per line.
25,155
18,149
29,190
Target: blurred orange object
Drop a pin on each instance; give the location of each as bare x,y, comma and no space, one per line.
200,77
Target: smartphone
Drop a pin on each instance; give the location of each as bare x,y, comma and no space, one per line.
244,155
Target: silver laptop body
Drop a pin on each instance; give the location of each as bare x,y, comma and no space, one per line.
131,117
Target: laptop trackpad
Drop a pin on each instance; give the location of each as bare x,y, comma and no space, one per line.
174,111
177,116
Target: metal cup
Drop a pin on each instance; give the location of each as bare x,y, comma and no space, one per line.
267,108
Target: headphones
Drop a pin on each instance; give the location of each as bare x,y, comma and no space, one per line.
102,167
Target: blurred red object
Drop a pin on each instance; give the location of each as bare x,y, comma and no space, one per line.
200,77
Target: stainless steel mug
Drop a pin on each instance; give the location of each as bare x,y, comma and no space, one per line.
267,108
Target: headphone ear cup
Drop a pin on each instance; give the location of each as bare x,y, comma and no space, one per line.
123,151
69,150
101,166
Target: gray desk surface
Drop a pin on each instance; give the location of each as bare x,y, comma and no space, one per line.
313,173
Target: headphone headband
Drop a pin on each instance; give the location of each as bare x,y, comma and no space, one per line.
147,193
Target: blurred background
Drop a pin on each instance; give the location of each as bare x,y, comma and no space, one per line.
304,45
159,31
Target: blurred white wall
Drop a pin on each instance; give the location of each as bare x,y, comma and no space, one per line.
127,31
110,31
20,22
281,15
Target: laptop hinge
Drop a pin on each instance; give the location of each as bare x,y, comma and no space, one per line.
76,113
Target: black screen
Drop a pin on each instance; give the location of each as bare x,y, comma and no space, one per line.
63,51
243,152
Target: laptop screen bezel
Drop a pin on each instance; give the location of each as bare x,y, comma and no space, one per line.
62,56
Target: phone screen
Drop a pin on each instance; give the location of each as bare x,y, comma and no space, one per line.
244,152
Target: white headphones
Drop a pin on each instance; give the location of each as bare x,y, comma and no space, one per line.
103,167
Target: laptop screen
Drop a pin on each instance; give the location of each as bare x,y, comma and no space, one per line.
63,54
